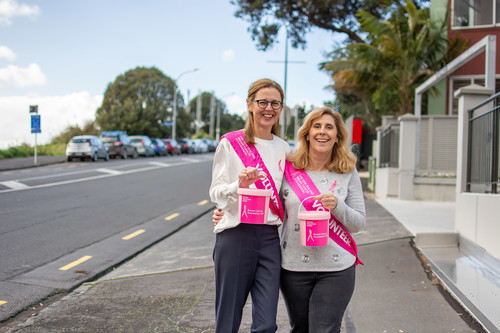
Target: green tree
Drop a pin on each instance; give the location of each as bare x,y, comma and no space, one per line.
88,128
138,102
381,75
266,17
230,122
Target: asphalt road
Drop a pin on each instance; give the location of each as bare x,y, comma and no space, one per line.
64,224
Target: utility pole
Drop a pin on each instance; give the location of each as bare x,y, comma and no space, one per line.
174,115
283,118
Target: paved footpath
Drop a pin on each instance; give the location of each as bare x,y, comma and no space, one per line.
170,288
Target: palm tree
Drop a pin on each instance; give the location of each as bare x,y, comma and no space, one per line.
399,54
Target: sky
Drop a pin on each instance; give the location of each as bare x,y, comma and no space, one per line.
62,54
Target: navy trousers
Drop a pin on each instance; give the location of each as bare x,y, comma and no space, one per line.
247,260
316,301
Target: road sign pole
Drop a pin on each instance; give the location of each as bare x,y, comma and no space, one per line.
35,150
35,126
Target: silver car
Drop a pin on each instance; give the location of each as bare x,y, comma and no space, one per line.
86,147
143,144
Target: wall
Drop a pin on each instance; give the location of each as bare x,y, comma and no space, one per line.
436,102
387,182
477,219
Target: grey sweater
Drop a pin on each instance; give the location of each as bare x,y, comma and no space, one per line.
350,211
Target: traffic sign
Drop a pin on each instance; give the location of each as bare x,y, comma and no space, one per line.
35,123
168,123
33,108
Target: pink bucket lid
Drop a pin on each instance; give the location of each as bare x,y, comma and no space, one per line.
314,215
255,192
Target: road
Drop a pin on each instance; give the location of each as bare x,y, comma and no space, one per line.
64,224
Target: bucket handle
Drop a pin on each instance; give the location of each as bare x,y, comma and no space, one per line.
301,203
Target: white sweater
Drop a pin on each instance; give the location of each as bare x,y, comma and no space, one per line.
226,167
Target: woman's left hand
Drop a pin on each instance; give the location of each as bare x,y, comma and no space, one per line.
328,200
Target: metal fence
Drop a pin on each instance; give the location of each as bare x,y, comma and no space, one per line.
483,147
389,146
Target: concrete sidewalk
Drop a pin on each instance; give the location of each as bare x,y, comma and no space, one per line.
170,288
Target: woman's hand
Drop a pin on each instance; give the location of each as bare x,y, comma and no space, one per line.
249,175
328,200
218,214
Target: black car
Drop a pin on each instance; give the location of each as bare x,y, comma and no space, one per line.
186,146
118,144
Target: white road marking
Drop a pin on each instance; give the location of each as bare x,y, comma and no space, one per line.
18,186
15,185
160,164
110,171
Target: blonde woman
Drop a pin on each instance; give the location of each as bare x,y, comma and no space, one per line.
317,282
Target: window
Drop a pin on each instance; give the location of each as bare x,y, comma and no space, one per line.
469,13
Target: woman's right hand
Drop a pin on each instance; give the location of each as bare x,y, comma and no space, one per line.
250,175
218,214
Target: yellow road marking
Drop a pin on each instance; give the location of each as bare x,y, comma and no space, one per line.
3,302
171,217
132,235
201,203
75,263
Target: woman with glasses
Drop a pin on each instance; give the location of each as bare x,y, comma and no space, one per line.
247,257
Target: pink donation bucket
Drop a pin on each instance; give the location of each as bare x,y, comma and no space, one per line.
314,228
253,205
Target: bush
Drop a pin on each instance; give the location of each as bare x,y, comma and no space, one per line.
25,151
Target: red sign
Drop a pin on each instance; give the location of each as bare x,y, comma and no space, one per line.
357,131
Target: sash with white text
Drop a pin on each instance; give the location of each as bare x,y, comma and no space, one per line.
251,158
304,187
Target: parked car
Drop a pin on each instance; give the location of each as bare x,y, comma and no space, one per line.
86,147
173,147
200,146
143,144
186,146
160,147
119,144
211,144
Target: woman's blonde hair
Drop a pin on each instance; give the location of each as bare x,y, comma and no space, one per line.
341,160
252,92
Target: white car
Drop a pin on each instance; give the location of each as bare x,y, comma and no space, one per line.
86,147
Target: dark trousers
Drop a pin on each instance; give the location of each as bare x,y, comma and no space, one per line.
247,259
316,301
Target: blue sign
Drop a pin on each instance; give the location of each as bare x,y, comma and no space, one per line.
35,124
168,123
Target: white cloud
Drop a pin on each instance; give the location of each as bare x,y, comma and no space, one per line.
22,77
228,55
57,113
10,8
7,53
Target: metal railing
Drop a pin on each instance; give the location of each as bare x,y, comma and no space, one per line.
389,146
483,147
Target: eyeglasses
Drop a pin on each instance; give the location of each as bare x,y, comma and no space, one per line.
262,103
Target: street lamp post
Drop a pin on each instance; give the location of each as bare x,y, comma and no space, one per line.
174,115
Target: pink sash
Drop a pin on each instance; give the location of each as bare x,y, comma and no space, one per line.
251,158
304,187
